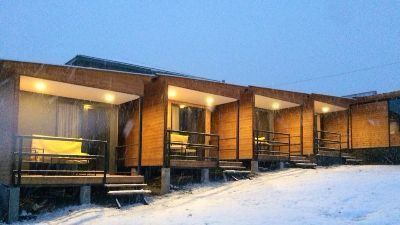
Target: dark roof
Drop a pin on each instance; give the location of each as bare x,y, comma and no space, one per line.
93,62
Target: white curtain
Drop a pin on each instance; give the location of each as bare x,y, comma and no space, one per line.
174,117
69,119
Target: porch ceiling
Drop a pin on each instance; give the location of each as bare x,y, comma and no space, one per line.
322,107
272,103
67,90
185,95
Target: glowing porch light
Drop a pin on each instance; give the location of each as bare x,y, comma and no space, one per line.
87,107
109,98
275,106
325,109
210,101
182,106
171,93
40,86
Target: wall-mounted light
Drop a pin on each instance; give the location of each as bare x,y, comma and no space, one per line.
171,93
182,106
210,101
87,107
275,105
40,86
109,98
325,109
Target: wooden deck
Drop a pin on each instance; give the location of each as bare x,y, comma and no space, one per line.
43,180
192,164
272,158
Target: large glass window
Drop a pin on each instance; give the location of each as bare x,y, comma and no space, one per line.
394,121
187,118
264,119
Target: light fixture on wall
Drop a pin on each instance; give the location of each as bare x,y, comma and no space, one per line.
325,109
87,106
109,98
182,106
171,93
210,101
275,105
40,86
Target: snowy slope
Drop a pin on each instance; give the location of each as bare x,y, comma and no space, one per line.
339,195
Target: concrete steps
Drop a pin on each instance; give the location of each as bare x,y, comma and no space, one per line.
302,162
119,190
233,170
351,160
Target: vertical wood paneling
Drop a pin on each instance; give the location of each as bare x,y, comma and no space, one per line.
154,122
246,125
370,126
336,122
308,128
224,121
288,121
8,122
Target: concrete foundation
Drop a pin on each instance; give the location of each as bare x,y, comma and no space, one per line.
9,203
205,175
85,195
254,166
281,165
165,180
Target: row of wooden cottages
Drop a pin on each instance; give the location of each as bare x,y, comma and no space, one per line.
65,125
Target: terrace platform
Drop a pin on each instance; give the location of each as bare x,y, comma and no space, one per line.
46,180
177,163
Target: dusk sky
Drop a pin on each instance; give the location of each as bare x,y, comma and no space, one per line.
330,47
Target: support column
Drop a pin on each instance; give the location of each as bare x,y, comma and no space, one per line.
85,195
9,201
165,180
205,175
254,166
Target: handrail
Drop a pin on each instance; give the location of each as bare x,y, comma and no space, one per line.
18,152
271,142
321,141
192,132
187,149
126,148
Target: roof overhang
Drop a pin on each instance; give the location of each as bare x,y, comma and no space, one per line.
323,107
49,87
272,103
185,95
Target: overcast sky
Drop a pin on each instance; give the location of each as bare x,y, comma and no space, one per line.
331,47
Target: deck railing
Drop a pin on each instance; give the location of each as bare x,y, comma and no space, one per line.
328,141
271,143
198,147
127,158
35,161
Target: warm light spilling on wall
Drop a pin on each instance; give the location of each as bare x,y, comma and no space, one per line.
275,106
325,109
182,106
87,107
109,98
210,101
40,86
171,93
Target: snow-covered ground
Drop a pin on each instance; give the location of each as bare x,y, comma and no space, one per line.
338,195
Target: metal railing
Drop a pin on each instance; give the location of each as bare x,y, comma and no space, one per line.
126,158
34,161
199,147
271,143
328,141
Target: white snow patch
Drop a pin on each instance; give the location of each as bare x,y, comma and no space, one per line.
337,195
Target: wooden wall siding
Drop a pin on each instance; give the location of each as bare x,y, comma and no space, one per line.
288,121
308,128
217,88
224,123
155,105
8,122
370,125
246,125
132,139
109,80
336,122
